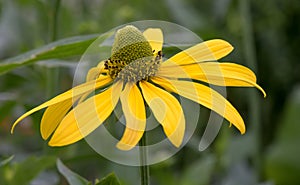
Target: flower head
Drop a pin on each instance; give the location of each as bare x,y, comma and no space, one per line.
136,75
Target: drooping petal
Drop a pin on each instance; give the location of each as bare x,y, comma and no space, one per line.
92,74
205,96
76,91
206,51
155,38
134,110
166,110
222,74
52,116
86,117
95,72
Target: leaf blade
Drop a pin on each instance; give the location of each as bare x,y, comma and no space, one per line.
6,161
71,177
73,46
110,179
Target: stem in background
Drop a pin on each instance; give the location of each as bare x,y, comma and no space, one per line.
52,74
144,168
56,8
254,108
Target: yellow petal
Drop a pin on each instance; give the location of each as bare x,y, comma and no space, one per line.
53,116
86,117
205,96
166,110
222,74
76,91
155,38
134,110
95,72
92,74
206,51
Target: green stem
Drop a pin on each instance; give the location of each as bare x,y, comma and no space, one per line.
144,168
254,118
52,74
56,9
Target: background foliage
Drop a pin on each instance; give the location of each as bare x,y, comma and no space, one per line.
266,36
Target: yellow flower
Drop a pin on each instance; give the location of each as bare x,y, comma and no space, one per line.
136,74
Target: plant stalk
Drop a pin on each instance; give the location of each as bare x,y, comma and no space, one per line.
144,168
255,109
56,8
52,74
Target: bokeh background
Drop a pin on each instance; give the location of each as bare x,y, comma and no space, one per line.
266,37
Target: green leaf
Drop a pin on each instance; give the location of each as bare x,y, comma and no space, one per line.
6,161
72,178
111,179
26,171
70,47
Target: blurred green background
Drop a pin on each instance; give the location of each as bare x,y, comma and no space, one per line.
266,37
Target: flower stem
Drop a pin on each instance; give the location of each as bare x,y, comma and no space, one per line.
254,118
52,74
56,9
144,168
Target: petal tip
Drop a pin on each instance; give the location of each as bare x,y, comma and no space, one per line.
44,135
12,130
221,42
124,147
219,47
14,125
261,90
242,130
264,93
177,144
177,138
54,143
51,143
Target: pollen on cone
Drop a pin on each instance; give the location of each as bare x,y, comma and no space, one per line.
130,45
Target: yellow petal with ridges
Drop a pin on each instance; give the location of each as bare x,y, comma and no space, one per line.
166,110
86,117
155,38
206,51
76,91
134,111
205,96
53,116
95,72
222,74
92,74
